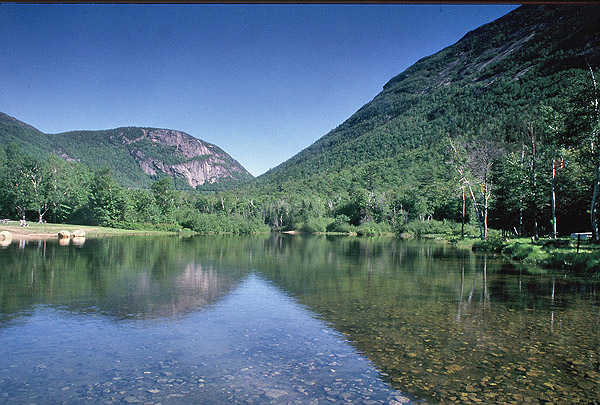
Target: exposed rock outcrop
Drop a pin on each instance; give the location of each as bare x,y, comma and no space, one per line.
200,162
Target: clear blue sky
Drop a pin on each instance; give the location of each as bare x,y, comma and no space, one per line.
260,81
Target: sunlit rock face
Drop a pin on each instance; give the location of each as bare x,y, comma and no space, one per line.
201,162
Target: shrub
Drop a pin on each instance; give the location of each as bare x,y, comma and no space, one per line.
241,225
373,228
493,243
420,229
341,224
518,250
139,226
167,227
314,225
215,223
368,228
202,223
578,262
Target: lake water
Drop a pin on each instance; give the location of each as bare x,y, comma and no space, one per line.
289,319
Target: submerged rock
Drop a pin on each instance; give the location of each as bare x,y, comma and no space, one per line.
275,394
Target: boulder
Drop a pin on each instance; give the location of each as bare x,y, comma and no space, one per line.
79,233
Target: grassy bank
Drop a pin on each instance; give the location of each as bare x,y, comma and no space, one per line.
40,231
560,254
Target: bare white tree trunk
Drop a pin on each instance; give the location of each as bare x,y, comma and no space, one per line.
462,228
554,233
534,174
593,218
595,135
465,182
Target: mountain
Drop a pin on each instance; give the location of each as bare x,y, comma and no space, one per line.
137,156
492,80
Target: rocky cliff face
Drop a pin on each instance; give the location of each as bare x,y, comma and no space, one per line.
200,162
549,38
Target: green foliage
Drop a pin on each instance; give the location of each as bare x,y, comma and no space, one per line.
145,226
45,188
164,195
201,222
205,223
555,254
419,229
373,228
341,224
518,250
494,243
572,261
108,201
315,225
144,208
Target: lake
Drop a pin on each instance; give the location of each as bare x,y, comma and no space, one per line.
289,319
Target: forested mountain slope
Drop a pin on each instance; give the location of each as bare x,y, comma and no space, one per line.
499,84
136,156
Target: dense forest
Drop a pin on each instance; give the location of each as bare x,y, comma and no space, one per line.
499,131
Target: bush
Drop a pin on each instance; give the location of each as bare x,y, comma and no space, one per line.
518,250
341,224
368,228
373,228
201,223
133,226
139,226
215,223
493,243
167,227
314,225
241,225
578,262
420,229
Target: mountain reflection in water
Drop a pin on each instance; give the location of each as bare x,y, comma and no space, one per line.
118,277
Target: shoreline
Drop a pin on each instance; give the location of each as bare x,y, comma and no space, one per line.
37,231
32,235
